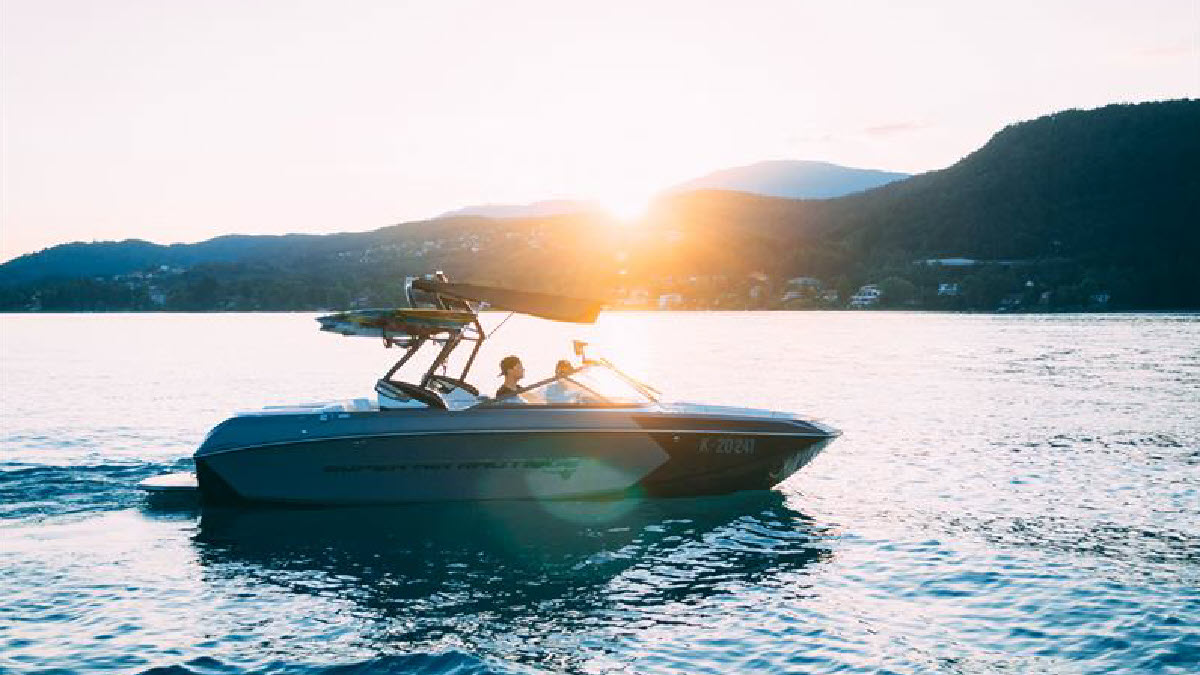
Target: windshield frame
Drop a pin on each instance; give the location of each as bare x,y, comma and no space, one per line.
644,393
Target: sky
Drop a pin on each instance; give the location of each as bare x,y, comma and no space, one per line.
180,121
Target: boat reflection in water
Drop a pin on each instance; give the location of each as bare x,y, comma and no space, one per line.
484,575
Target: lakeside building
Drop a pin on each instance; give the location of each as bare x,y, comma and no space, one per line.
867,296
670,301
803,282
634,298
969,262
801,288
949,262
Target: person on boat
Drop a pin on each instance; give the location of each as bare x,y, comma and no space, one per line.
560,391
512,370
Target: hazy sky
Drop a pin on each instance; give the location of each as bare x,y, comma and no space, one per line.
177,121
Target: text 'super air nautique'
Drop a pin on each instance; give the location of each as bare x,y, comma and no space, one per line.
595,432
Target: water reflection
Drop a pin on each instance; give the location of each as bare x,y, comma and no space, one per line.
499,577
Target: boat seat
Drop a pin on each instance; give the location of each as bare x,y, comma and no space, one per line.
445,385
348,405
405,392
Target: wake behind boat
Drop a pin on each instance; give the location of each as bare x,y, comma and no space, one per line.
591,432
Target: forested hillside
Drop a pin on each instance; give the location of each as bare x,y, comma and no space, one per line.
1053,213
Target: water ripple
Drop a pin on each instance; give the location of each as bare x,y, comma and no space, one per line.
1012,494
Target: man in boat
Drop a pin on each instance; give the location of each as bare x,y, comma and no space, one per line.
512,370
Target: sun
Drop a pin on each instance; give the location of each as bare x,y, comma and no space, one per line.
627,206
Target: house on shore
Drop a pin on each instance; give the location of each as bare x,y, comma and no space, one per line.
801,288
670,301
867,296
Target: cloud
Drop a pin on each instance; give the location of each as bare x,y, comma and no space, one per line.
895,129
1168,52
796,139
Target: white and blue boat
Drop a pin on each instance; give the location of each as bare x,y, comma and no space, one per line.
595,432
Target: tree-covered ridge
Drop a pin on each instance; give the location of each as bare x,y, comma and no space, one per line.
1056,212
1105,200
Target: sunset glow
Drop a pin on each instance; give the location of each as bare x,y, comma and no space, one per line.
627,208
173,123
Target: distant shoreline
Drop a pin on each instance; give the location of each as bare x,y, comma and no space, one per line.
1147,312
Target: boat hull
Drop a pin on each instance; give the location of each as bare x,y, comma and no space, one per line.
423,457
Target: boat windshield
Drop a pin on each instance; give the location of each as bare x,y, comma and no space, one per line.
592,385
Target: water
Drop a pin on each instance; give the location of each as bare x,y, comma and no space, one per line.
1012,494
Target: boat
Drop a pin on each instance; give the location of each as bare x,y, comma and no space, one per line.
594,432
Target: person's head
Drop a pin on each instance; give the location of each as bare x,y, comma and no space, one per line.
511,368
563,368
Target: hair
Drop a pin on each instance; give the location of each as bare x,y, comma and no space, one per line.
563,367
508,363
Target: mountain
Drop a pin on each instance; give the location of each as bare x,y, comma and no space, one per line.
107,258
1084,207
1119,184
553,207
792,180
298,272
1105,199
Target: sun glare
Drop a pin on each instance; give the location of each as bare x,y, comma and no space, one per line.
627,207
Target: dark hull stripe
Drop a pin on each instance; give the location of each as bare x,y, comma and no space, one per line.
722,425
795,433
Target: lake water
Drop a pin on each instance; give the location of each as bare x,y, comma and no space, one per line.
1012,494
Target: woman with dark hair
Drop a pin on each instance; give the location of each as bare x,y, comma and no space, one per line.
560,391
